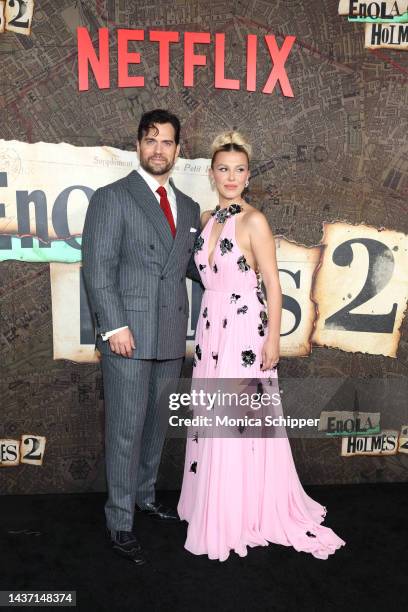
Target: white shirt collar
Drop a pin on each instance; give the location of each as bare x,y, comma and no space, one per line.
151,181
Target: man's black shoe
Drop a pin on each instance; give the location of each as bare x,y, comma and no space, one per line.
159,512
126,544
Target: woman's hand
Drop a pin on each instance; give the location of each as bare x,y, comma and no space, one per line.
270,353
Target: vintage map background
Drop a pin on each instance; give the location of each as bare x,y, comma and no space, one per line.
337,150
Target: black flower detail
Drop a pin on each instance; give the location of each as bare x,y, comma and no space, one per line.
242,310
193,467
226,246
198,351
260,296
202,267
215,357
242,264
235,208
248,358
224,323
215,268
263,324
207,325
198,244
222,214
195,437
205,312
234,298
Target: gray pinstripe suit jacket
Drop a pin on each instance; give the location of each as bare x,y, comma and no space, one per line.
135,271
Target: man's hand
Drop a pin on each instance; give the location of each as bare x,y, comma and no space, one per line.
122,343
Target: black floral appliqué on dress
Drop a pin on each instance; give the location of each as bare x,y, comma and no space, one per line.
263,324
226,246
242,310
242,264
198,244
248,358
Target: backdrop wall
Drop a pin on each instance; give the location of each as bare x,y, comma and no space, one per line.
335,151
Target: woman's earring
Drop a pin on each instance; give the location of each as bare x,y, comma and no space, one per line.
246,183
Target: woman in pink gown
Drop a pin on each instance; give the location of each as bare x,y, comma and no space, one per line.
239,492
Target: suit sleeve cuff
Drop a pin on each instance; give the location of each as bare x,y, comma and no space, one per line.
108,334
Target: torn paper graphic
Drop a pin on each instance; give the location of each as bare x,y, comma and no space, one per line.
361,289
18,15
46,190
297,264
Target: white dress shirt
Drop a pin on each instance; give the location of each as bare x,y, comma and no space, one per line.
153,184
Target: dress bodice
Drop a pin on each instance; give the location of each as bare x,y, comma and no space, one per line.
229,270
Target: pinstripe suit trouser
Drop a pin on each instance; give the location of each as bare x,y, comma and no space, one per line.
136,418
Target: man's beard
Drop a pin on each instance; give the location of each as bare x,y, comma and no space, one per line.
151,169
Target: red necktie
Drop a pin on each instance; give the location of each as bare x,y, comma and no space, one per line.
165,206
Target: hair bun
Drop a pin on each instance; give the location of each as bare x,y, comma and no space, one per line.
231,138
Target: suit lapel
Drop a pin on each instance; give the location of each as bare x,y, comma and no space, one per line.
142,193
182,225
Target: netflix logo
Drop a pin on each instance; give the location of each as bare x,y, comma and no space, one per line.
94,58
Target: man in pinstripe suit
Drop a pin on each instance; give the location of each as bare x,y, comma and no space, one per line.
137,247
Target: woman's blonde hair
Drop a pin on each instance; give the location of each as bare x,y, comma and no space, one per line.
230,141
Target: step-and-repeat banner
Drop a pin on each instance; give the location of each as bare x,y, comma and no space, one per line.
348,292
320,89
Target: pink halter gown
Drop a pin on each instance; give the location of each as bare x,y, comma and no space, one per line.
241,492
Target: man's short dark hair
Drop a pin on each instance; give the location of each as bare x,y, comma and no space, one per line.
158,115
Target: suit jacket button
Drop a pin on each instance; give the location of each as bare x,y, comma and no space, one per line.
180,307
162,278
151,246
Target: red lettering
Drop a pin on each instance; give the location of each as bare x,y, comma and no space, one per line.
126,57
252,42
190,58
93,58
164,39
220,81
278,72
87,56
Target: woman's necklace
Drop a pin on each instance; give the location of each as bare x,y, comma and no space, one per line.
222,214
